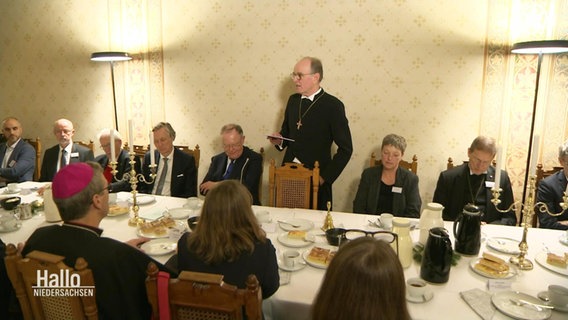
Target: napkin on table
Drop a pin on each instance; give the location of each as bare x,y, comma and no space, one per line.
480,302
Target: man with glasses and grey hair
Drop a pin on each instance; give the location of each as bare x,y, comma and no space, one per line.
551,190
237,162
121,157
471,183
313,121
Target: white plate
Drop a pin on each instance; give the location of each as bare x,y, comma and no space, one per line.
159,247
144,199
541,259
180,213
180,225
294,243
297,266
510,274
428,295
502,301
304,225
564,239
504,245
315,264
6,191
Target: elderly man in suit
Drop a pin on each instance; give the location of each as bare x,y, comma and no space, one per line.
17,157
236,162
471,183
551,190
65,152
122,160
176,174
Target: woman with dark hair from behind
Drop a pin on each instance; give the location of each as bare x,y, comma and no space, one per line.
364,281
229,241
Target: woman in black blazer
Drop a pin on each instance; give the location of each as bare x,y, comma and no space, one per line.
388,188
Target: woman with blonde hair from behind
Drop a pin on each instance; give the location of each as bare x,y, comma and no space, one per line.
229,241
364,281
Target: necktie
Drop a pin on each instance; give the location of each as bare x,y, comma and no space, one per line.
162,177
63,160
229,170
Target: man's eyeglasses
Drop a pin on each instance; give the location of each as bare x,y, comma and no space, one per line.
108,188
299,75
232,146
387,236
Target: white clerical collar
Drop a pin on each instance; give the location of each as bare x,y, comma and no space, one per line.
311,98
471,173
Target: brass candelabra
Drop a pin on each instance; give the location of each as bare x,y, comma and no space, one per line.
528,211
132,177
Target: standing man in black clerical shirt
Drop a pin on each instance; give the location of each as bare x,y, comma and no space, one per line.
314,119
471,183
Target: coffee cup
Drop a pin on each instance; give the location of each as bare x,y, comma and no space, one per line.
558,295
263,216
386,220
12,187
290,258
416,287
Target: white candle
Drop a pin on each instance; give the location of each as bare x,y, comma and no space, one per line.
534,155
498,167
112,153
130,139
152,149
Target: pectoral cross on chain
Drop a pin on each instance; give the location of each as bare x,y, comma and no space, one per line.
299,124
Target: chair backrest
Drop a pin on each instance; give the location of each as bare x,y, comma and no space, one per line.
37,146
541,174
23,274
90,144
412,166
293,186
196,153
204,296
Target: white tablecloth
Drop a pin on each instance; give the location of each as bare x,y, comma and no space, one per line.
293,300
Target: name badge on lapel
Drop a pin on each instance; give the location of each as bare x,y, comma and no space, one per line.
489,184
12,163
397,189
74,154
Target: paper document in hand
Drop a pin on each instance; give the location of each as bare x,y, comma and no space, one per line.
277,137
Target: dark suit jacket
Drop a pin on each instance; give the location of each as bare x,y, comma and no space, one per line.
247,169
450,193
21,165
79,153
184,174
405,204
122,166
550,191
325,123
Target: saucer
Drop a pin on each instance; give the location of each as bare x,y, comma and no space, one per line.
297,266
6,191
544,294
428,295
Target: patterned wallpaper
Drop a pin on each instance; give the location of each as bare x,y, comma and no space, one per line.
437,72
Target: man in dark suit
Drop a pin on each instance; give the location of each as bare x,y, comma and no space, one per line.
551,190
176,174
314,119
65,152
237,162
121,157
471,183
17,157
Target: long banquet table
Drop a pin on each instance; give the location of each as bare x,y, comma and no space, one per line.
293,300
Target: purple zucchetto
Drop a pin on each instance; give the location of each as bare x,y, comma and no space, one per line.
72,179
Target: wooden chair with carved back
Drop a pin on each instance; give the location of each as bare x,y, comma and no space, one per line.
23,273
37,146
202,296
293,186
412,166
90,144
